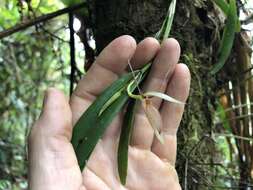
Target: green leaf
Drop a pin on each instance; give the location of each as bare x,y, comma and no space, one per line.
125,136
88,119
93,123
110,101
164,32
221,113
71,2
223,5
227,38
238,25
93,134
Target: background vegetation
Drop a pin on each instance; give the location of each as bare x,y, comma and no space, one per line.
215,139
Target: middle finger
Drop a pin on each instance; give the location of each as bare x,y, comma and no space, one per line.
160,74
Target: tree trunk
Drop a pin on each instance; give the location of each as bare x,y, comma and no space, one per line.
195,32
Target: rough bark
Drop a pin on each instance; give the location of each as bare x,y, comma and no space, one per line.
137,18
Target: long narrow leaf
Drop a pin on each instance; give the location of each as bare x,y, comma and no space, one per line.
100,120
164,32
88,119
125,136
227,38
93,134
223,5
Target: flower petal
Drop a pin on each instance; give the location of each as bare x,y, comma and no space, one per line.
163,96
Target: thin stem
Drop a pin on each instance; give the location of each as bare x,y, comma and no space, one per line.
130,94
72,52
135,78
233,136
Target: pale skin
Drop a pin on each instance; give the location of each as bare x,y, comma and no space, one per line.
52,161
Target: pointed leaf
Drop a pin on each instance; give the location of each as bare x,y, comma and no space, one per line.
88,119
93,134
125,136
228,37
164,32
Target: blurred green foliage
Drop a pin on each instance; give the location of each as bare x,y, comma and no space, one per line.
71,2
30,62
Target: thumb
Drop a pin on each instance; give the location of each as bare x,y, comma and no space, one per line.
52,160
56,118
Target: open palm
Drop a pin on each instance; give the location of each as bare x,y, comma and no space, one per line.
52,161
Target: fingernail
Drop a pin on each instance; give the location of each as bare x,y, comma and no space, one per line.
47,97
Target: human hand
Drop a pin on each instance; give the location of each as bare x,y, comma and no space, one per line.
52,161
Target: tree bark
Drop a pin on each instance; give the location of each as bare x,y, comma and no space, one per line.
137,18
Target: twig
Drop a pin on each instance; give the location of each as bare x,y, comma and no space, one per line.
40,19
236,118
221,187
237,107
54,36
135,77
187,159
233,136
72,52
186,174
